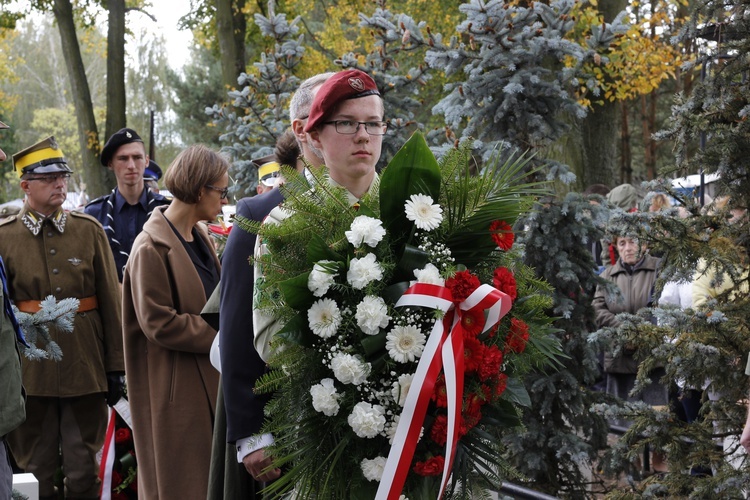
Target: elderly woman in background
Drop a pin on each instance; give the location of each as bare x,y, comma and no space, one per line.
634,273
172,386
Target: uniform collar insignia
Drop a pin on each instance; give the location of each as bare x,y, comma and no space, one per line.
34,222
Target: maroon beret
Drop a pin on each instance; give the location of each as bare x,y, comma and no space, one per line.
344,85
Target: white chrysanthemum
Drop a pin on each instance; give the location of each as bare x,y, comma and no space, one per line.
324,318
390,430
423,212
365,230
430,275
363,271
349,369
401,388
372,315
325,399
405,343
367,420
320,279
373,469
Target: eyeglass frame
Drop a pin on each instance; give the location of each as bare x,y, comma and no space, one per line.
51,177
337,122
223,192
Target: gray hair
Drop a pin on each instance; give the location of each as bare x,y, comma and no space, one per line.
299,106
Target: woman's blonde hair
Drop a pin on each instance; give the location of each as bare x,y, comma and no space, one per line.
194,168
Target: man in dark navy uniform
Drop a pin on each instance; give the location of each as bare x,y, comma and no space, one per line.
126,209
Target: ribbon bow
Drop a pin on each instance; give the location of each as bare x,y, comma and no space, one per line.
444,350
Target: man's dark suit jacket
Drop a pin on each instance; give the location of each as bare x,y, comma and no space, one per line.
240,364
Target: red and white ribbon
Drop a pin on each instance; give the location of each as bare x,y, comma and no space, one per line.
108,458
443,350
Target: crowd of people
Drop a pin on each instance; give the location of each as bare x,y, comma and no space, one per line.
143,268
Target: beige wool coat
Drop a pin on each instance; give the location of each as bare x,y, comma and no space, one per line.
172,386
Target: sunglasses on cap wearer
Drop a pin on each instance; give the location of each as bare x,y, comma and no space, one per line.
51,178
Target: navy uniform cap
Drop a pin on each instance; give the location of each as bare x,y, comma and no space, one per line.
344,85
119,138
44,157
152,171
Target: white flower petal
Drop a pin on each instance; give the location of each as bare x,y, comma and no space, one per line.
367,230
425,214
405,343
372,315
324,318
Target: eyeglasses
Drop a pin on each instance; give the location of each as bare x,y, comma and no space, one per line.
50,179
224,192
349,127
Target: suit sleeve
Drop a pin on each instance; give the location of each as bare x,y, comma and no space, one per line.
151,290
602,315
241,366
110,303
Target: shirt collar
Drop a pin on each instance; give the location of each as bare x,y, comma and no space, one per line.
353,200
120,201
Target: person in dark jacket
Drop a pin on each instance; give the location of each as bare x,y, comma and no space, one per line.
240,364
124,211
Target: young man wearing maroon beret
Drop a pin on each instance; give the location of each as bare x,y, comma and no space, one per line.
346,125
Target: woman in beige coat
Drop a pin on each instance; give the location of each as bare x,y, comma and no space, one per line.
172,386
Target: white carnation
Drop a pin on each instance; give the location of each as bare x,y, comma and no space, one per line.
325,399
405,343
320,279
324,318
401,388
367,420
430,275
365,230
373,469
349,369
363,271
420,209
372,315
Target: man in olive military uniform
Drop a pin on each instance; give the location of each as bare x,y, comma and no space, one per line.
124,211
12,411
48,251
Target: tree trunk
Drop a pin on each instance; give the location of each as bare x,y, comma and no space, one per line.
626,157
94,176
599,128
231,27
116,100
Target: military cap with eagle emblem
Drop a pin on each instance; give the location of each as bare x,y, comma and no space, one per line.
44,157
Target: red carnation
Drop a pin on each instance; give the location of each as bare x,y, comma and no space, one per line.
461,285
473,404
119,495
472,321
517,337
504,281
473,354
439,393
491,362
502,234
439,430
502,384
432,467
122,435
116,478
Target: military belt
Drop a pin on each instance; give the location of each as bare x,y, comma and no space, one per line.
34,306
